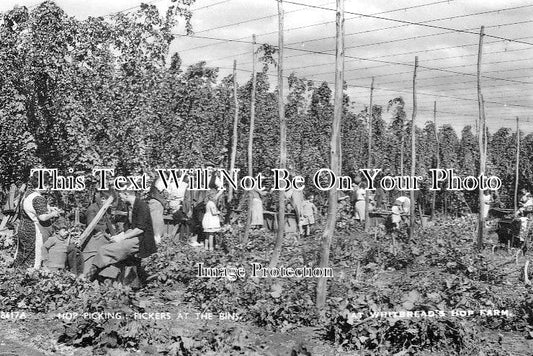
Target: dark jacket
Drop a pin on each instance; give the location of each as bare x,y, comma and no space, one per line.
154,193
140,218
104,225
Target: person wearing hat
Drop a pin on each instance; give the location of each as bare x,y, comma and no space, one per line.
526,195
401,208
54,250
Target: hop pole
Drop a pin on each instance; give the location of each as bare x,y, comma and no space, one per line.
437,154
413,154
251,143
282,140
235,128
481,136
336,161
370,117
517,164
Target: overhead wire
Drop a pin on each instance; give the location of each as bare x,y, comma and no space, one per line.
366,59
414,23
409,38
322,23
427,60
413,38
249,20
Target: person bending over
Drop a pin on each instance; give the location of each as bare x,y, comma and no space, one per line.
138,241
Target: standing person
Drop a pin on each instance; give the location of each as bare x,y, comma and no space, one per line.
211,221
352,195
196,212
309,211
34,226
176,193
102,231
138,241
177,189
104,225
400,208
54,250
296,199
257,208
157,204
523,213
525,196
360,203
487,201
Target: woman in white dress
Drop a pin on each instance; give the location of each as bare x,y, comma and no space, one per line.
211,220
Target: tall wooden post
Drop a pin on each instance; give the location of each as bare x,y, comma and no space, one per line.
481,136
402,144
485,131
235,127
251,142
413,155
517,164
336,163
370,120
282,140
437,158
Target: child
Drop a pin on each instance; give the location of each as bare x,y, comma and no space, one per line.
54,250
211,220
309,211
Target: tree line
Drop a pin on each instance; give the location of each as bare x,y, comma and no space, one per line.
106,92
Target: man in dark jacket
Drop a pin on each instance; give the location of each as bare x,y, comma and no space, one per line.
138,241
101,233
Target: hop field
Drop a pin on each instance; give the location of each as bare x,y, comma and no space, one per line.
433,295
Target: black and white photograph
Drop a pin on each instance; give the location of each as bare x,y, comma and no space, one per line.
266,177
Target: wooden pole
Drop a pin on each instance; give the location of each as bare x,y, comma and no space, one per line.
370,119
235,127
485,131
481,135
85,235
251,142
336,163
402,144
282,140
413,155
437,158
517,164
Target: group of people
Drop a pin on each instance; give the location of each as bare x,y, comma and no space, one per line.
44,238
360,196
136,226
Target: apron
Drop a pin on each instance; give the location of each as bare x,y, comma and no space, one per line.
32,214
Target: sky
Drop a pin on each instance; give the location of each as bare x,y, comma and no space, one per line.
381,44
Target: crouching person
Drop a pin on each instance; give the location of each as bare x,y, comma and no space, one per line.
54,250
137,242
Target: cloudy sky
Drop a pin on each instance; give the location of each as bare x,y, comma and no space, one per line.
383,46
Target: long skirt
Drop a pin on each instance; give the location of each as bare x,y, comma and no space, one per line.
257,212
156,212
26,243
486,209
360,210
